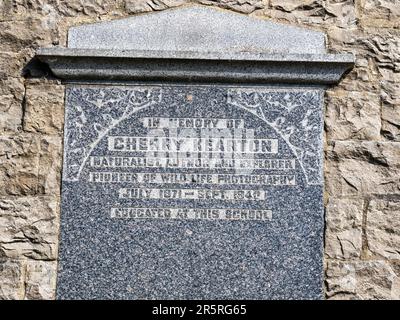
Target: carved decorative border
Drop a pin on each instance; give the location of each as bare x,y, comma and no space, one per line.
106,109
296,115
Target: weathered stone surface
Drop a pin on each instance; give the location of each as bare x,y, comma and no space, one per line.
377,57
29,227
140,6
44,108
314,12
19,160
90,8
355,168
363,78
40,280
30,165
382,47
343,235
52,11
362,280
11,64
10,9
390,95
354,115
378,153
30,33
381,9
12,93
383,228
395,264
339,39
385,13
340,280
244,6
50,161
11,279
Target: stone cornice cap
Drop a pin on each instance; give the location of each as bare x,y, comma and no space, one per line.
196,43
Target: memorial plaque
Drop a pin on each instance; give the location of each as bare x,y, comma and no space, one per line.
198,188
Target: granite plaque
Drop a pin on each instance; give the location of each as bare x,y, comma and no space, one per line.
198,188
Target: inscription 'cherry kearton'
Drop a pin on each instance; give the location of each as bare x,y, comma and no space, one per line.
192,144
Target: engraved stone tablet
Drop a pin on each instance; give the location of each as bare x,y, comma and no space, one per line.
208,187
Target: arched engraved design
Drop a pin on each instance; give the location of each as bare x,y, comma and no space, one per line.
91,113
296,115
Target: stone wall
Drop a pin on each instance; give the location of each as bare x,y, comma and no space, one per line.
362,124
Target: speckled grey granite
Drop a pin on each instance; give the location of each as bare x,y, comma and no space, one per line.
130,258
197,29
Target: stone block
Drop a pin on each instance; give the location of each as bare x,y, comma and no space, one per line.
390,97
140,6
26,33
11,279
40,282
363,280
362,168
383,228
314,12
11,64
352,115
44,108
29,227
11,97
50,162
248,6
380,13
19,164
343,235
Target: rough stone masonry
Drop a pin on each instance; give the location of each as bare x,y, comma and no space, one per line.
362,138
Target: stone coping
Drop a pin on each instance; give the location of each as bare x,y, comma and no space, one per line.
253,67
